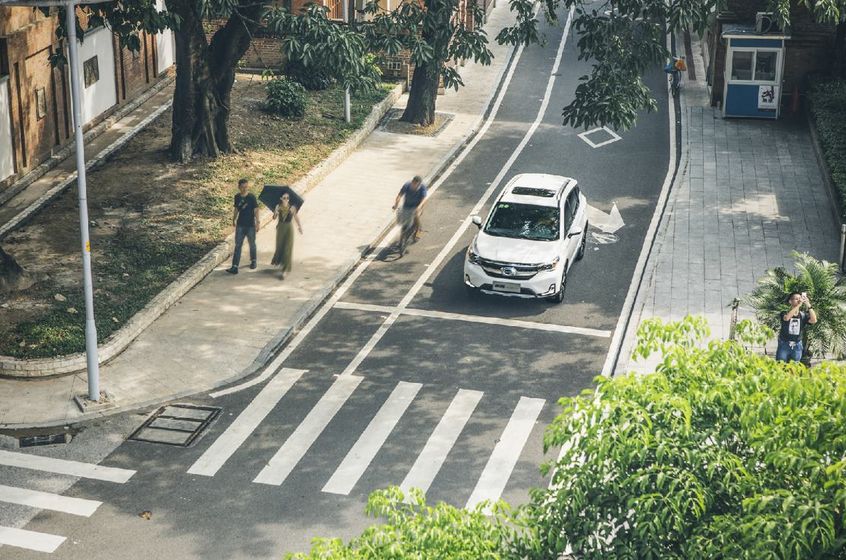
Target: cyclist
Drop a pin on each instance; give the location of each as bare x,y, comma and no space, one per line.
413,194
675,67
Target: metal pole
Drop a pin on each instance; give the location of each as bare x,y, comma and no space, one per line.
347,105
90,327
842,246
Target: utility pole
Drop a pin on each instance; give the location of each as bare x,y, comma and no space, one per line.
91,356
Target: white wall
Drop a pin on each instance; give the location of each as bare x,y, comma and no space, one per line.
165,53
7,164
101,95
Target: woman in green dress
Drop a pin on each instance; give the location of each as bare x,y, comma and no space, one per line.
286,213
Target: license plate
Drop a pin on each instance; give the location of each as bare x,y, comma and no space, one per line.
506,287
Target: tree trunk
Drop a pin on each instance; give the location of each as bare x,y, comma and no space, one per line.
12,276
205,73
424,92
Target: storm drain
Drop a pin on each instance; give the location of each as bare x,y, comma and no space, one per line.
176,424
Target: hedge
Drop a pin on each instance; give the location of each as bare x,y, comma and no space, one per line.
828,111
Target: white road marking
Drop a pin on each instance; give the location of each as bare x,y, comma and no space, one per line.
473,319
621,331
237,433
506,452
46,500
441,442
61,466
40,542
372,439
614,137
448,249
608,223
281,465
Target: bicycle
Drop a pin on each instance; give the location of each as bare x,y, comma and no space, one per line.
675,68
405,220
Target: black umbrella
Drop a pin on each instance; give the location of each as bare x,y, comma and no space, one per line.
271,195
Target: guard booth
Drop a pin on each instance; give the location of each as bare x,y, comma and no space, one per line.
753,71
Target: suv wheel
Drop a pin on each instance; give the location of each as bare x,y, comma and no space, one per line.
581,252
559,296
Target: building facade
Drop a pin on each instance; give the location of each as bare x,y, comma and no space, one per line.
35,103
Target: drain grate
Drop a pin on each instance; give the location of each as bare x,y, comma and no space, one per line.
176,424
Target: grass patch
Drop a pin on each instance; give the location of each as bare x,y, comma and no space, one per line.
153,219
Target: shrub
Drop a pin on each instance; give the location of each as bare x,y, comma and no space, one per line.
286,98
827,291
313,78
721,454
828,110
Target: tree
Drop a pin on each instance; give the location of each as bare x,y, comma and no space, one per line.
721,454
205,69
826,289
12,276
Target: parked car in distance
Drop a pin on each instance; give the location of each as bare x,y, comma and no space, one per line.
535,231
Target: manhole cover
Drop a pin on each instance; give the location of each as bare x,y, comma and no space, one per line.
176,424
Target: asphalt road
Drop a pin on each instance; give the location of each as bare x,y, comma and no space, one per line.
407,367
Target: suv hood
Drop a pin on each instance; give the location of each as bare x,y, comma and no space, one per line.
517,251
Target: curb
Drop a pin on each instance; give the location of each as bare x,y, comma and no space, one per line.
117,342
57,158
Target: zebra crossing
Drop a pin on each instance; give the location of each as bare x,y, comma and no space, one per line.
44,542
444,435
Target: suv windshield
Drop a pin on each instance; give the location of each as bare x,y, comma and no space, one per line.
524,221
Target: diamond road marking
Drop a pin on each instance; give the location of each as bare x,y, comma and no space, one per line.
614,137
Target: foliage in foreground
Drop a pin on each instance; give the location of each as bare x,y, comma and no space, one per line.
415,530
721,454
826,289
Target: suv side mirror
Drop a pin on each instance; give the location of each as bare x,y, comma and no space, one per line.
573,234
478,221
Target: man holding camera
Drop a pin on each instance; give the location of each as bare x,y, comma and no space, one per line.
792,323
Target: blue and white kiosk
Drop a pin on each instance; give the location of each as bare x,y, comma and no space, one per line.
753,73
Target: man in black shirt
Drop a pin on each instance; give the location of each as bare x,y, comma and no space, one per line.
792,323
245,218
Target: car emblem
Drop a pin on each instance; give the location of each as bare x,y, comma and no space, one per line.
509,271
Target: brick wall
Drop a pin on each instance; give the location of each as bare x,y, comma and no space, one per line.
40,95
809,49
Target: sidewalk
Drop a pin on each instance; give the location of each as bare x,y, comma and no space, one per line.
751,193
227,326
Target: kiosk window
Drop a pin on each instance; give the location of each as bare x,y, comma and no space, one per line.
765,66
741,65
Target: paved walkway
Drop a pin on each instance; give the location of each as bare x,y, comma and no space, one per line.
227,325
750,195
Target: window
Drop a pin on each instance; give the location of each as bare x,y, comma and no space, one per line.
765,66
524,221
754,65
40,103
91,71
741,65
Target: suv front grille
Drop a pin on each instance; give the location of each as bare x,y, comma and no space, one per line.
520,271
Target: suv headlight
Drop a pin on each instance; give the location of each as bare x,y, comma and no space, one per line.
550,265
472,256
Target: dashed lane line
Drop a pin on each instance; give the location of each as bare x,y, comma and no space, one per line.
473,319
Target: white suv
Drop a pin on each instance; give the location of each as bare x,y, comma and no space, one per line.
536,229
